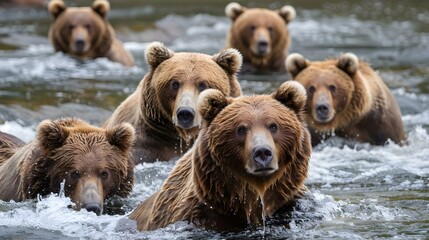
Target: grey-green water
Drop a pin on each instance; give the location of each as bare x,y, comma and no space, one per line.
357,191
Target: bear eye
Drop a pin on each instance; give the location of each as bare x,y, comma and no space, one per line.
270,29
88,27
75,174
241,130
273,128
104,174
202,86
175,85
252,28
70,27
311,89
332,88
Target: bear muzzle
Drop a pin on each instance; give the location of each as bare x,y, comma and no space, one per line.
90,196
185,117
263,161
322,110
263,155
262,47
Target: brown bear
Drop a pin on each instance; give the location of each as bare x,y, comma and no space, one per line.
85,33
249,161
261,35
347,98
95,164
163,107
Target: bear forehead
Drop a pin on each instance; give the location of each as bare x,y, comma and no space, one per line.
190,65
80,14
259,16
255,109
322,72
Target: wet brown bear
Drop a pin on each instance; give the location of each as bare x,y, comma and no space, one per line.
85,33
261,35
346,97
249,160
95,164
163,107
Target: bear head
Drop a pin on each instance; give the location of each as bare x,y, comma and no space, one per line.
257,139
94,163
261,31
329,86
79,30
177,79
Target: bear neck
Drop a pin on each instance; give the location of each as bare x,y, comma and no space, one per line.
235,197
157,125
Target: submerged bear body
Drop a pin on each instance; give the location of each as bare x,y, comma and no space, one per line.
347,97
249,161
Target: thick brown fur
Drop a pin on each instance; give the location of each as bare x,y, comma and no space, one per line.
219,184
85,32
261,35
357,103
8,146
96,164
174,82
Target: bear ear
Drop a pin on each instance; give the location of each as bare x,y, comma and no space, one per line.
156,53
51,134
56,7
230,60
349,63
233,10
211,102
291,94
295,63
288,13
102,7
121,136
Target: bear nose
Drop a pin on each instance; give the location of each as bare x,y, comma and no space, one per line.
322,110
262,46
93,207
262,155
185,117
80,45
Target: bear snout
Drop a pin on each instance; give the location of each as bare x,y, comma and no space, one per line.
91,197
262,47
93,207
79,45
263,155
185,117
323,112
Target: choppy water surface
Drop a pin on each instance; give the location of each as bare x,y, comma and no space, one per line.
356,191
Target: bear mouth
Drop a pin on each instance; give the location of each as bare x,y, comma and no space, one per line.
264,171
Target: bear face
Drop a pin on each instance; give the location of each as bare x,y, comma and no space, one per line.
163,107
94,163
77,29
179,78
85,33
348,98
256,137
261,35
329,86
249,161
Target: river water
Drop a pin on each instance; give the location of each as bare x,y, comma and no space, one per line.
356,191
